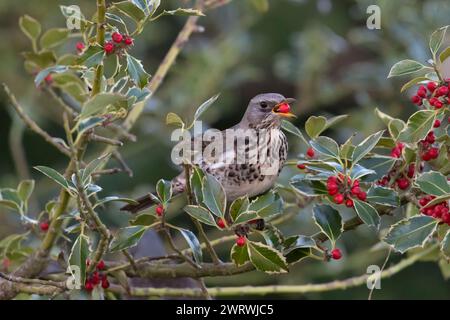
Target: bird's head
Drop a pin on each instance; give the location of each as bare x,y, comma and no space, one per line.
267,110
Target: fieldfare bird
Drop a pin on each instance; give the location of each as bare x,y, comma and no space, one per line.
251,163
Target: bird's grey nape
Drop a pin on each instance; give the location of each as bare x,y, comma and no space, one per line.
259,110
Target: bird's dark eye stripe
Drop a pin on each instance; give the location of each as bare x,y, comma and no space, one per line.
263,104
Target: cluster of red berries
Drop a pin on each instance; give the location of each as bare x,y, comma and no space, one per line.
97,277
118,43
437,211
396,152
436,95
428,151
401,180
342,192
159,210
240,241
336,254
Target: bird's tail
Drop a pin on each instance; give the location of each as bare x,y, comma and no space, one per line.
142,203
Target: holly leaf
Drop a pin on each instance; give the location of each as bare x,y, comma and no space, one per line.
366,146
266,259
436,39
238,207
127,237
417,127
30,27
54,37
214,195
25,189
434,183
54,175
329,221
367,213
136,71
290,127
100,102
131,10
239,255
193,243
411,232
203,107
44,73
383,196
78,256
405,67
326,146
201,214
267,205
164,190
92,56
445,245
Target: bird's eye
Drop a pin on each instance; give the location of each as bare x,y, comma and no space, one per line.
263,104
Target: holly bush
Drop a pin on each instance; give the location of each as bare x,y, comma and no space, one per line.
102,89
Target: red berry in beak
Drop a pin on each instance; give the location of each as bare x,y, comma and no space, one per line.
284,108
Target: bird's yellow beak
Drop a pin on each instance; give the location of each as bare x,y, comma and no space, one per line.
283,109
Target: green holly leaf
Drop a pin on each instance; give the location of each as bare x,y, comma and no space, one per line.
411,232
54,175
329,221
366,146
193,243
379,164
131,10
266,259
30,27
308,187
383,196
173,118
92,56
434,183
25,189
314,126
238,207
326,146
127,237
445,245
267,205
417,127
239,255
78,256
290,127
99,104
214,195
201,214
367,213
164,190
405,67
44,73
203,107
136,71
436,39
54,37
197,183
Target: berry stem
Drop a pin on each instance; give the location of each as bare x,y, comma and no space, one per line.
101,19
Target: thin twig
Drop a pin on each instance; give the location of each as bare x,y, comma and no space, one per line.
97,138
122,163
33,125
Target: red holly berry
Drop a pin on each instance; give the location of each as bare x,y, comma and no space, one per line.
159,210
117,37
333,191
101,265
416,99
431,86
442,91
349,203
356,190
301,166
79,46
339,198
422,92
128,41
44,226
423,201
362,196
221,223
284,108
48,79
430,137
310,152
426,156
403,183
336,254
108,47
88,286
95,279
411,170
433,153
438,104
437,123
105,283
240,241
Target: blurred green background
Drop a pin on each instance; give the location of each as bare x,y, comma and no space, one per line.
319,52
